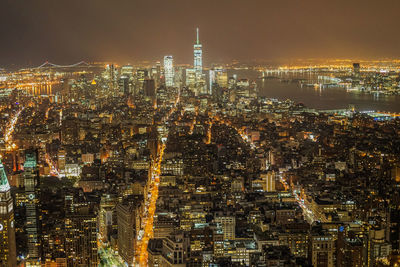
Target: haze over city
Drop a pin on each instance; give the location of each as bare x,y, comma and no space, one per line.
128,31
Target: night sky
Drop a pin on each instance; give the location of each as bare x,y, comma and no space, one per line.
61,31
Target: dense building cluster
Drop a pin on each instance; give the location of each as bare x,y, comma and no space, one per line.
173,166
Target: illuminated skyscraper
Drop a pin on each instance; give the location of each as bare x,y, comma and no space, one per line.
106,217
356,69
124,85
199,87
8,255
218,77
81,237
128,217
31,177
169,71
268,181
141,75
149,88
191,78
198,55
127,70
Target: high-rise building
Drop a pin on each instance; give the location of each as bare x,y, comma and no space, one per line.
61,161
31,181
111,74
356,69
127,70
128,217
190,78
157,76
169,71
141,75
322,250
199,86
179,77
268,181
81,237
107,216
174,250
378,246
218,76
150,88
124,86
198,55
8,255
227,222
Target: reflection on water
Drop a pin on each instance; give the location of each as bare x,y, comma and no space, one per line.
286,86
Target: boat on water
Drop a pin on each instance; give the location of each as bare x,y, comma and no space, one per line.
353,90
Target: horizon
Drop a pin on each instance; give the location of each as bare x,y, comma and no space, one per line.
249,63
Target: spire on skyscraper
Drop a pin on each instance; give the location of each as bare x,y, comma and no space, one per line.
4,185
198,54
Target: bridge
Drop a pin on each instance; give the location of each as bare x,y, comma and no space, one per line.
48,64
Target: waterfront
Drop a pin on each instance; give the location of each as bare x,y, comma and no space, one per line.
326,98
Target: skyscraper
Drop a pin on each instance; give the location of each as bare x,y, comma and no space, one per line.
218,76
124,86
169,71
31,178
128,217
198,55
81,237
141,75
356,69
268,181
149,88
200,86
107,216
191,78
7,233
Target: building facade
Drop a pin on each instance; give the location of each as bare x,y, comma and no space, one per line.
8,255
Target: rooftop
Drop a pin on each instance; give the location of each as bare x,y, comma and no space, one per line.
4,185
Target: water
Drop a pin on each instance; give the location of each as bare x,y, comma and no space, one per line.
326,98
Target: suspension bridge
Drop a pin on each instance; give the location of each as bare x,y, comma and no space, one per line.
48,64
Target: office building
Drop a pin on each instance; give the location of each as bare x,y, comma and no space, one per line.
107,220
124,85
81,237
227,222
128,217
218,77
174,250
268,181
169,71
322,248
31,181
127,70
190,78
8,255
150,88
198,55
356,69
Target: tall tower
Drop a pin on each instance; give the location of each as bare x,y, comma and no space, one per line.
128,218
31,178
169,71
198,55
8,255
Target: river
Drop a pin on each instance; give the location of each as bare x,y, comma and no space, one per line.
326,98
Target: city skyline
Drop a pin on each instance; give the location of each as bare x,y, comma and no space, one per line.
190,134
66,32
